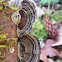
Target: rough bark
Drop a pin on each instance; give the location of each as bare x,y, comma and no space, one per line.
10,28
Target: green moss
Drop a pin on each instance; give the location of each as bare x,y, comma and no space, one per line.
13,8
39,30
1,7
1,27
1,1
5,43
6,5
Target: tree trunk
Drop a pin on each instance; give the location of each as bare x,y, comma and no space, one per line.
10,28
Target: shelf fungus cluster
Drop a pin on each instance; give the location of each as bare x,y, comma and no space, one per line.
28,45
25,16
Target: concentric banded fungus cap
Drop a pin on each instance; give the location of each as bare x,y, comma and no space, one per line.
29,48
28,15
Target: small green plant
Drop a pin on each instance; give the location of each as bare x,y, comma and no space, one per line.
57,16
39,30
49,2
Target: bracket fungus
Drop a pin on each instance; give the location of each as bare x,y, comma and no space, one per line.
28,45
25,16
28,15
29,48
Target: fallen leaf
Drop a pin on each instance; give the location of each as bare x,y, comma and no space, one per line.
47,50
58,50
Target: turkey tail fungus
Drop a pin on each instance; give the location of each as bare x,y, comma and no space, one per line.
28,45
29,48
28,15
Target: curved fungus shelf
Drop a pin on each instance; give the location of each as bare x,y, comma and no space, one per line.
29,48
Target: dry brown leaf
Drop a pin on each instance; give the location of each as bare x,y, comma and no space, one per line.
47,50
58,26
58,50
57,47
